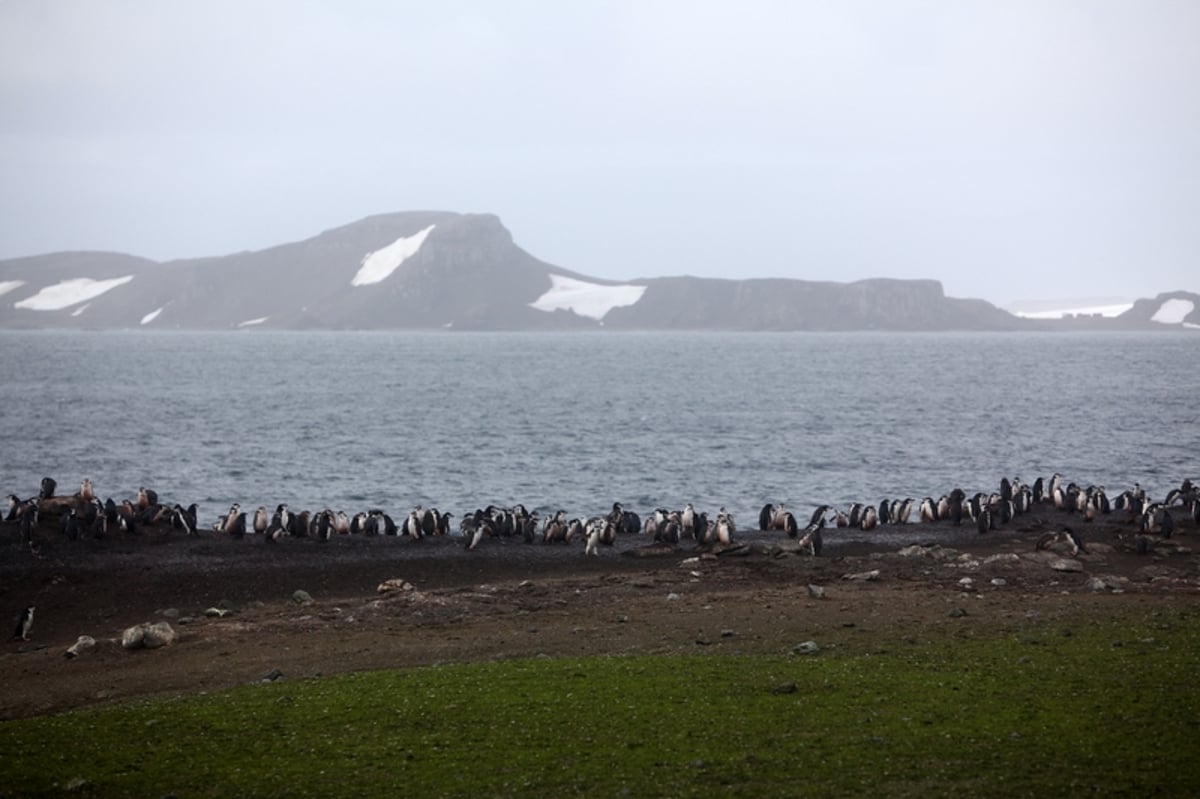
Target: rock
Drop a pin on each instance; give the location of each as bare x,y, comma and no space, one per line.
132,637
957,613
302,598
1002,557
393,585
1065,565
727,633
672,597
999,582
218,613
936,552
806,648
1103,582
967,582
272,675
148,636
816,592
786,688
170,613
85,643
870,576
158,634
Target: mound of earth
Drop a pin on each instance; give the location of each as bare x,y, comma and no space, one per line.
244,611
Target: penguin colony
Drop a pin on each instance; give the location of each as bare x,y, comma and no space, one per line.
83,514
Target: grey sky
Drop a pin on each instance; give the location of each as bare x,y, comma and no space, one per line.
1010,149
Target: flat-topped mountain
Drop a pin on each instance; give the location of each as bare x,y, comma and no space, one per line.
435,270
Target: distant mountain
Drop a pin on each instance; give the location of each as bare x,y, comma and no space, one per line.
436,270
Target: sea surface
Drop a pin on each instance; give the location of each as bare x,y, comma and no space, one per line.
355,420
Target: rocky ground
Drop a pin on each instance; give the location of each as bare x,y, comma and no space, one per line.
234,608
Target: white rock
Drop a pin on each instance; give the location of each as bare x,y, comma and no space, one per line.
807,648
863,576
148,636
85,643
816,592
158,634
392,586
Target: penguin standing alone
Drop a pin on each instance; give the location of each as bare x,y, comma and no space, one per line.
24,625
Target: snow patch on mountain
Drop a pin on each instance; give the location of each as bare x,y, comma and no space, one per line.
253,322
1068,309
8,285
70,292
1173,312
586,299
379,264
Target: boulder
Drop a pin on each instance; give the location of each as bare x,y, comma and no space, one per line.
85,643
395,585
148,636
302,598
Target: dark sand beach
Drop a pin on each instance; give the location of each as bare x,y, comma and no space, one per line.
509,599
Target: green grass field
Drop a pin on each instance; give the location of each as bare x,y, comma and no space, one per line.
1109,708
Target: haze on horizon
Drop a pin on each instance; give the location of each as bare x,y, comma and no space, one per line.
1033,149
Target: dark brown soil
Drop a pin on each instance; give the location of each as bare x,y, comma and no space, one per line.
509,599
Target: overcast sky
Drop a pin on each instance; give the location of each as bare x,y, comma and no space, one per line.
1012,150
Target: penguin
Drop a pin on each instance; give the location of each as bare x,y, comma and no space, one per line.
884,513
48,487
856,514
412,524
724,528
766,516
236,526
1006,490
13,503
1066,534
574,528
444,525
928,510
29,520
817,519
592,543
812,541
1055,484
86,492
260,520
687,521
869,519
185,519
429,521
324,525
955,500
71,525
631,523
608,536
24,625
983,520
1039,491
902,514
555,529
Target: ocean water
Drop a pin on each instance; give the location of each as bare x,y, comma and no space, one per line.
353,420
